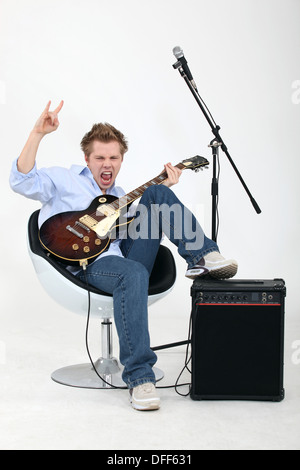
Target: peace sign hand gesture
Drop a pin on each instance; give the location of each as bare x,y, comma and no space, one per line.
48,121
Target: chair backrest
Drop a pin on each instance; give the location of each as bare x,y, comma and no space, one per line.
162,278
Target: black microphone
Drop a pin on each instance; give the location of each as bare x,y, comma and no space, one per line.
178,53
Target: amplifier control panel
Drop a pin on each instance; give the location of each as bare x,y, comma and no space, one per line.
270,297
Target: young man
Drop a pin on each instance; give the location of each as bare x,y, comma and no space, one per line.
124,268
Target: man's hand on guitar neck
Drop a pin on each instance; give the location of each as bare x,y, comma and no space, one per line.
173,173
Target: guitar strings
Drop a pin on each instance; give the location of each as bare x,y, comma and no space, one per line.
116,204
138,192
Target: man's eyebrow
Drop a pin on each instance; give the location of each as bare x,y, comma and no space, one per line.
111,156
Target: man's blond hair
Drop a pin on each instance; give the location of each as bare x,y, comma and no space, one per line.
103,132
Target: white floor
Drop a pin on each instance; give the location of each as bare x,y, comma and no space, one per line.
37,413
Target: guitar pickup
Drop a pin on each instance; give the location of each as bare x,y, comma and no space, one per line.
106,210
88,221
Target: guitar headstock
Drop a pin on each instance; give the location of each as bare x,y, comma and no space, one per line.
195,163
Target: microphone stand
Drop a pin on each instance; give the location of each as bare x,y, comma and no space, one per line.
215,144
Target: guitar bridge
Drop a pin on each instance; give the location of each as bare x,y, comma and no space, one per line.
82,226
72,230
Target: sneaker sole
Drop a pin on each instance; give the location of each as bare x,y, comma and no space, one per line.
224,272
221,272
196,273
155,405
152,407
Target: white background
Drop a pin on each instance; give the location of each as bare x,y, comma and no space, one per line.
112,61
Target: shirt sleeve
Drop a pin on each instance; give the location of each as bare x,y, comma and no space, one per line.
35,185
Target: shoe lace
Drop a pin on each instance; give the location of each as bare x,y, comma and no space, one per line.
146,387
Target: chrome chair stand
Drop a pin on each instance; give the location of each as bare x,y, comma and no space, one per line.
108,372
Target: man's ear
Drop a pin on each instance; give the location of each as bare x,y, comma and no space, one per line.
86,159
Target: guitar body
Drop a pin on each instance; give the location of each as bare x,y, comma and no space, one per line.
78,236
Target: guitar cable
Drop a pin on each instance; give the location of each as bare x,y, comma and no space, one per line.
187,355
217,201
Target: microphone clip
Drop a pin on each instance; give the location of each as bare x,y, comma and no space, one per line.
177,65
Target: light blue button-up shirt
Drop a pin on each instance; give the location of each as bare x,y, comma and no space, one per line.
60,189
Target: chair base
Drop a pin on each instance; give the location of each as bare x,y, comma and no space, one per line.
84,375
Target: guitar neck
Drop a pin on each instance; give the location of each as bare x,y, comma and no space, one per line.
138,192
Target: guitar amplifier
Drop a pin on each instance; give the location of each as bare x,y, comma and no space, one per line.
237,339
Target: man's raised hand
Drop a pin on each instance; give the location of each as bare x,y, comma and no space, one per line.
48,121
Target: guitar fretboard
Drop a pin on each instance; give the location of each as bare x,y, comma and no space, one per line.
138,192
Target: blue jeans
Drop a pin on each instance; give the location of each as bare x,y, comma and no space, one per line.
127,279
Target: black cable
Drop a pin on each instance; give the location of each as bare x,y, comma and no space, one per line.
217,202
92,362
203,103
86,335
216,126
188,359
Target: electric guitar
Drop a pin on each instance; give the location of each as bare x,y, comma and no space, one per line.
78,237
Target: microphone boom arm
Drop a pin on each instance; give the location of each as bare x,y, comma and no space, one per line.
218,141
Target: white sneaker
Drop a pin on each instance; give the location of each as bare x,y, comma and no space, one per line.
144,397
215,265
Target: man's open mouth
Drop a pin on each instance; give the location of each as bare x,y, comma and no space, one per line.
106,177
